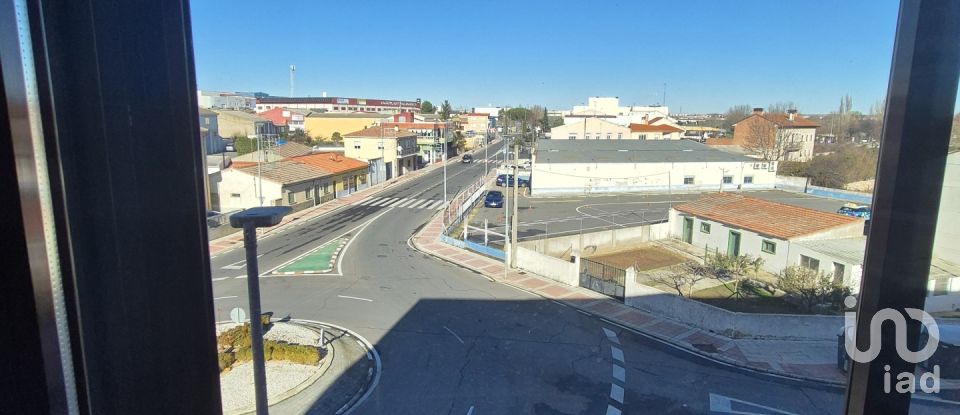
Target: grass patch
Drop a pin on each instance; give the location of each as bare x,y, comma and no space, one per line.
754,300
644,258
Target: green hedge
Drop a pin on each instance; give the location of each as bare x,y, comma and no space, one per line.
235,344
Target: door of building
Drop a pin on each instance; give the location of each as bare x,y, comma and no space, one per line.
688,230
733,244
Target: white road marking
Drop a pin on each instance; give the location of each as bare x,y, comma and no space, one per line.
418,204
454,334
440,206
616,353
611,410
370,200
220,279
470,411
609,333
399,201
433,204
724,405
406,202
619,373
239,277
224,298
616,393
385,202
355,298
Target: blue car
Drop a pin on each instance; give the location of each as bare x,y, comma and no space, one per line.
494,199
505,180
857,211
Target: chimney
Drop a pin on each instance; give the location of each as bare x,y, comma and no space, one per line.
758,111
792,114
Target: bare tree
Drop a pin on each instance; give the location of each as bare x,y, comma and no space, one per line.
764,138
808,286
683,277
734,115
781,107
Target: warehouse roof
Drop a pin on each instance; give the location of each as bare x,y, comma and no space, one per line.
630,151
764,217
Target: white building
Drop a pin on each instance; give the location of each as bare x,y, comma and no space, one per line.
338,104
609,108
225,100
590,129
780,234
563,166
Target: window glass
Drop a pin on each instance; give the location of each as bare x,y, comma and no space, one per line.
704,227
769,247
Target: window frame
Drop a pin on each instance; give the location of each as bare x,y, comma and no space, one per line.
705,227
763,247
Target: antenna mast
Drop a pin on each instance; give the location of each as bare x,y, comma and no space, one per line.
293,69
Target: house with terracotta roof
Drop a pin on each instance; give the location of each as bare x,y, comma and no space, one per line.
655,132
285,118
299,181
782,235
772,137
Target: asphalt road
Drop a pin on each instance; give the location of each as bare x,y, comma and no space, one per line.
452,342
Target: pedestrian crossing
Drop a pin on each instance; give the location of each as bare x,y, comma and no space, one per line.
404,202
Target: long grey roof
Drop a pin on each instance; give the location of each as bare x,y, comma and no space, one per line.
630,151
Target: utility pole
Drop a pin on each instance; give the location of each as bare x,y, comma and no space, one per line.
446,131
516,204
506,226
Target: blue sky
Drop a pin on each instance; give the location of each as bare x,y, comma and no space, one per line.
710,54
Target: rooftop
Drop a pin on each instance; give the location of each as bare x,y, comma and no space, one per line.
847,249
206,112
381,131
631,151
764,217
784,120
332,162
647,128
348,115
286,171
241,115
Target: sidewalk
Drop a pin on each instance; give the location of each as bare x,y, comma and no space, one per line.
235,240
810,360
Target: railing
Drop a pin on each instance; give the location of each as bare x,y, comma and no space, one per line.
461,203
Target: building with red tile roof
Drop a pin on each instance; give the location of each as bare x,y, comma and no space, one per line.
655,132
772,136
735,224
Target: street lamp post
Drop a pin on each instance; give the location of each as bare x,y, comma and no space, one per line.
446,131
250,220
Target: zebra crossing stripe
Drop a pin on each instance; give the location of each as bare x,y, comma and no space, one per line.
369,201
434,204
440,205
406,202
394,204
415,203
385,202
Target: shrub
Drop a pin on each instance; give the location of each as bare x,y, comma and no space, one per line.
225,360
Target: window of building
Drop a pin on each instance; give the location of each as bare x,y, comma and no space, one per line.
747,179
609,135
307,195
643,136
237,195
291,198
809,263
619,136
380,145
769,247
704,227
687,179
727,179
356,144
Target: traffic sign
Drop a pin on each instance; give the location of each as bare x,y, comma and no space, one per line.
237,315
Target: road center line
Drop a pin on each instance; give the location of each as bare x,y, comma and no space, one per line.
454,334
224,298
355,298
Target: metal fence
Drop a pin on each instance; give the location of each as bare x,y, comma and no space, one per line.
459,205
602,278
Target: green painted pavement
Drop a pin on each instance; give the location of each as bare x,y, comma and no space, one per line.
321,260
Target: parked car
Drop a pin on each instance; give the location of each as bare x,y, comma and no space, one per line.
505,180
466,158
855,210
493,199
523,181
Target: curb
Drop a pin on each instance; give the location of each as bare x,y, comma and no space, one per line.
324,366
666,341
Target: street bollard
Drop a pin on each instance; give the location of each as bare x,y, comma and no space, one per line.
250,220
